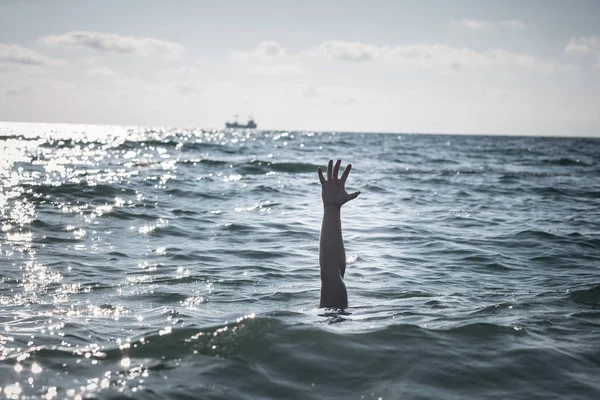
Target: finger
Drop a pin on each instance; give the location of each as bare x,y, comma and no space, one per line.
321,177
336,169
329,170
346,172
353,195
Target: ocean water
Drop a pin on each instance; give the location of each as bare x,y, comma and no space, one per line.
170,263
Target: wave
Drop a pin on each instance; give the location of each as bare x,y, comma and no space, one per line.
269,356
260,166
203,161
564,161
536,235
227,340
441,161
256,166
495,309
181,193
487,263
572,238
78,191
266,189
590,297
529,175
374,189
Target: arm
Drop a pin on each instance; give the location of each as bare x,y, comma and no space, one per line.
332,256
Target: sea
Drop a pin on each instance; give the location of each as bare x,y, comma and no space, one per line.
157,263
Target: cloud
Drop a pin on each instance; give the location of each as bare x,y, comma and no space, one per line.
481,25
276,69
583,46
426,55
14,54
512,24
471,24
266,51
266,59
101,72
351,51
185,70
113,43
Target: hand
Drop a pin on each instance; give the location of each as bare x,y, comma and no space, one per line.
333,189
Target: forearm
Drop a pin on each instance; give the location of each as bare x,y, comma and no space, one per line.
332,258
332,255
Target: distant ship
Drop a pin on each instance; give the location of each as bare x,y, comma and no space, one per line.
250,125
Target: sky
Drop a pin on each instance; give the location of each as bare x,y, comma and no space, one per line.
479,67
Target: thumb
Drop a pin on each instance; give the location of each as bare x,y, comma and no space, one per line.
353,195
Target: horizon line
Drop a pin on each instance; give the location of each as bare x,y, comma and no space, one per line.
541,135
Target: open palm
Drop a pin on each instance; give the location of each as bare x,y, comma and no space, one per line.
333,188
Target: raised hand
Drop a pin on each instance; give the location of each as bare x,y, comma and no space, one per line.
333,190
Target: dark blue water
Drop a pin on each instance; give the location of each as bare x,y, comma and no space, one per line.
184,263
